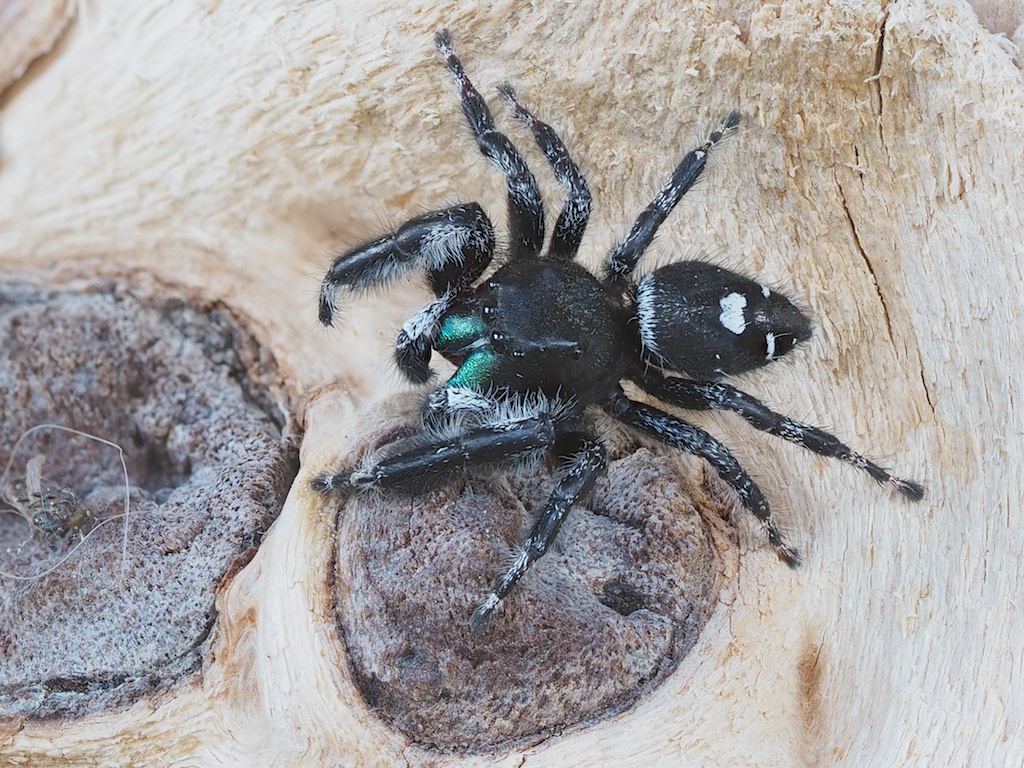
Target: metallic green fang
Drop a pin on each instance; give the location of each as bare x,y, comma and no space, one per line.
459,330
476,371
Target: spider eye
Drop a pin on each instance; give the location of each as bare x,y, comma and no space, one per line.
499,342
577,352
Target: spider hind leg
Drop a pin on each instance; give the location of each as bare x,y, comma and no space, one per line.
712,395
690,439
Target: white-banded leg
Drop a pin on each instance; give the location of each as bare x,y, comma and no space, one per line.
623,260
690,439
454,247
428,459
450,241
525,209
713,395
452,403
585,460
448,280
572,221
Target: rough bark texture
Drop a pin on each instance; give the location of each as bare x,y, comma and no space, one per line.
226,147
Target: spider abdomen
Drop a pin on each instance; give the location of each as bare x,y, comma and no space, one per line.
709,322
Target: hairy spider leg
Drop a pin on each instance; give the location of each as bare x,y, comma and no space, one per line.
712,395
525,209
448,282
446,242
572,221
426,460
455,401
453,245
690,439
575,481
623,260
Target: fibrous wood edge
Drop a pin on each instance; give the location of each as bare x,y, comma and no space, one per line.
877,180
29,29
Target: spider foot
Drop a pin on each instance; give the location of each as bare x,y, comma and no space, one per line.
729,123
450,402
482,617
788,554
909,488
340,482
912,490
412,356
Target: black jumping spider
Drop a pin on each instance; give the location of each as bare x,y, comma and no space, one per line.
542,339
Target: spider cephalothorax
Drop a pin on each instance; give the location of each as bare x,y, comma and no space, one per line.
542,339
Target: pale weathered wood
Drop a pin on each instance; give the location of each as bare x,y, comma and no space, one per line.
228,146
29,29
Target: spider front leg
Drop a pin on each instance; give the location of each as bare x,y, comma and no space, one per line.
690,439
623,260
711,395
453,245
525,209
572,221
428,459
585,461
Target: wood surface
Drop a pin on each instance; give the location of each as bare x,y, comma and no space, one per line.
229,146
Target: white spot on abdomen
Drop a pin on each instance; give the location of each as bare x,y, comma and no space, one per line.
732,317
769,340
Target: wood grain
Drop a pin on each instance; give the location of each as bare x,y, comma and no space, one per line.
229,146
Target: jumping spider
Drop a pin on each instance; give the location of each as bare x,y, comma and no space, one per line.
542,339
